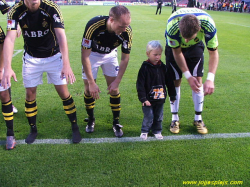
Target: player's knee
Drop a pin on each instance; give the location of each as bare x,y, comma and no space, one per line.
87,92
4,96
114,92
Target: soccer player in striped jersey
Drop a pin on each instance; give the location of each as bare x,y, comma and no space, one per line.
4,8
7,110
102,36
46,50
186,28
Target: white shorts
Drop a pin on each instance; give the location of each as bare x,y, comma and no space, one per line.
33,69
1,88
108,63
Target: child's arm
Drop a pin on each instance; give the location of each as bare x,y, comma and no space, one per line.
140,85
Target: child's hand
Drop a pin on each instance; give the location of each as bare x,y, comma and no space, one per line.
146,103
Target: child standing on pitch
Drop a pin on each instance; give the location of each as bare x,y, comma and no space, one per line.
151,84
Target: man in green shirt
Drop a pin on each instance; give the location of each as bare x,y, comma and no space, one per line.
186,28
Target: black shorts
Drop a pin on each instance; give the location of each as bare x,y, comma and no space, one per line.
2,35
194,57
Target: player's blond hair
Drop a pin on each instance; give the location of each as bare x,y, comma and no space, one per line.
189,25
152,45
117,11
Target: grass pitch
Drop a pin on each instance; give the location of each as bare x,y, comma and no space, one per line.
158,163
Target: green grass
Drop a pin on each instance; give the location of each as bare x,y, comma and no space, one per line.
158,163
149,164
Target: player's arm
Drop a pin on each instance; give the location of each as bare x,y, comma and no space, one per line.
181,62
122,68
213,64
87,65
1,62
62,41
140,86
8,49
93,88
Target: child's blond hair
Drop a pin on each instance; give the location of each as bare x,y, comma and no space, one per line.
154,44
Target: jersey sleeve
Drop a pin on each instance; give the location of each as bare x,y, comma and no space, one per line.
57,17
88,34
12,18
210,32
172,34
127,43
4,7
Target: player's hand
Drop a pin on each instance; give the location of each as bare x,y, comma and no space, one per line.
146,103
208,87
94,90
172,102
194,84
68,74
113,88
6,79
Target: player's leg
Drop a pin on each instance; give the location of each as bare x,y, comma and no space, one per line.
13,107
32,77
110,69
115,104
53,66
8,117
175,71
195,61
6,103
95,60
198,99
70,110
89,106
31,113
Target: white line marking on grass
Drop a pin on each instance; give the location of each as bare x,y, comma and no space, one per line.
239,25
136,139
17,52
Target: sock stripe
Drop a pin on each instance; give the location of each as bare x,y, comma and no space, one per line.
67,98
8,103
70,111
30,102
115,105
31,114
115,96
72,105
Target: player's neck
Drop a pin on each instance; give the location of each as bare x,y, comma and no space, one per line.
109,26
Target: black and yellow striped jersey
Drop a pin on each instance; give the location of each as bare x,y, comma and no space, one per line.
4,7
97,37
37,27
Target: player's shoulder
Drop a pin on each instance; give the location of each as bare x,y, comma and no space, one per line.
98,20
3,2
17,8
49,5
129,29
